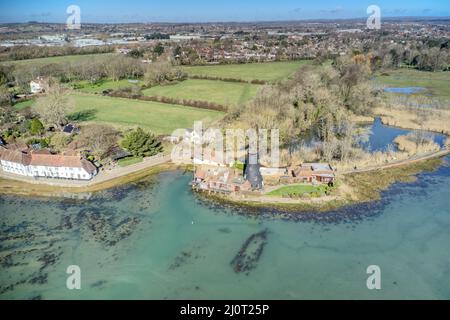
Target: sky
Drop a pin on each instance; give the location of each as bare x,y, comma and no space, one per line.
121,11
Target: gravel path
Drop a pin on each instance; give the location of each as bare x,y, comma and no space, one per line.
102,176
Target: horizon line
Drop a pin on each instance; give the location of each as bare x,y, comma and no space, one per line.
232,21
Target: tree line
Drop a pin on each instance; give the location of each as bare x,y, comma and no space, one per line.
34,52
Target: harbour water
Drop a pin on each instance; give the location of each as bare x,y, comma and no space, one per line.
156,239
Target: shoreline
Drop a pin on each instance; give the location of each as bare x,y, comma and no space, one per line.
354,186
22,188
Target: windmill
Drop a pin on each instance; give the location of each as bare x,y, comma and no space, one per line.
252,173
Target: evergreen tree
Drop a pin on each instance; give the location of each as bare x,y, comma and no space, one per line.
36,126
141,143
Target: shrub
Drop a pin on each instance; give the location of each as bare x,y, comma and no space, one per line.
59,141
36,126
43,142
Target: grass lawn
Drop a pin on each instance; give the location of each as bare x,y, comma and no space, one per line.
23,104
297,190
99,87
269,71
129,161
221,92
437,83
59,59
160,118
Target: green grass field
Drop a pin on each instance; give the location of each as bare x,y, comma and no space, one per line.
437,83
59,59
23,104
269,71
99,87
221,92
298,190
160,118
129,161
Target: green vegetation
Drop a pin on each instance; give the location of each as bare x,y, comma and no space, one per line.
162,71
44,142
102,85
161,118
23,104
437,83
297,190
239,165
159,49
59,141
224,93
129,161
270,71
141,143
36,126
59,59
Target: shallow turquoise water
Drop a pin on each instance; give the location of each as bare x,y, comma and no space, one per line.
381,136
156,240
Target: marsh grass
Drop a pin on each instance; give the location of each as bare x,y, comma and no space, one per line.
366,186
436,120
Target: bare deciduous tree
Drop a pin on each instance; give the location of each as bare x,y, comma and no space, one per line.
54,107
99,139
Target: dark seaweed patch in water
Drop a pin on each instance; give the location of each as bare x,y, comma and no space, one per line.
39,279
48,259
120,193
105,226
30,242
249,254
65,223
98,284
183,258
35,244
225,230
347,214
180,260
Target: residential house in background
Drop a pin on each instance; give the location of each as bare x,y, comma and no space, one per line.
219,179
312,172
37,85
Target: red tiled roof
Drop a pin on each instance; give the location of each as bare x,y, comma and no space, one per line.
200,174
56,160
43,158
16,156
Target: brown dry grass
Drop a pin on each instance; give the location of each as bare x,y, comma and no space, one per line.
361,119
368,160
404,143
411,118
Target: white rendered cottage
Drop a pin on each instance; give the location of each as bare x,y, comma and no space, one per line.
45,164
37,86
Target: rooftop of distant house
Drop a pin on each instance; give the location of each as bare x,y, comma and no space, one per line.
21,154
